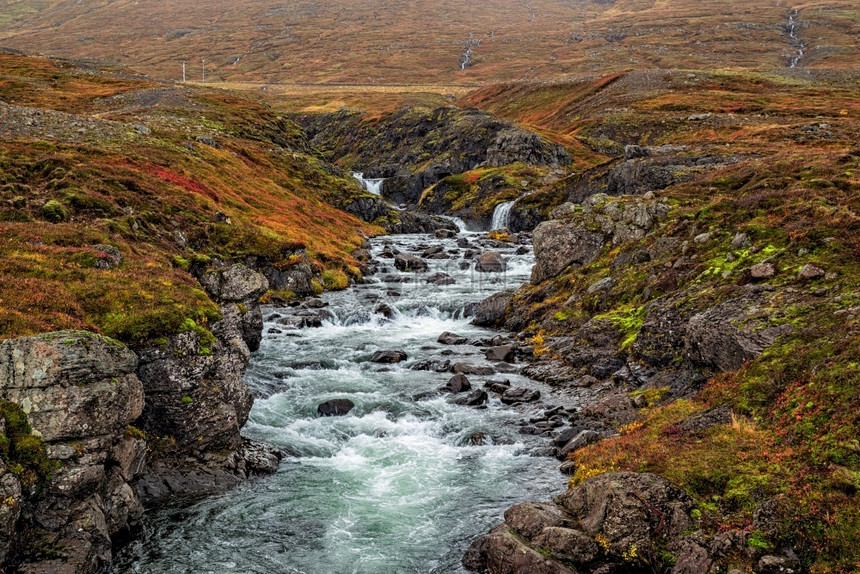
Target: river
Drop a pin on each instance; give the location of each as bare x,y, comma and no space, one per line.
395,486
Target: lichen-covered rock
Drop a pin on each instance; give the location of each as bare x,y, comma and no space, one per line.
594,527
558,244
579,232
79,392
628,508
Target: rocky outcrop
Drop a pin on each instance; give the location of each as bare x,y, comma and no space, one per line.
606,524
578,233
416,147
195,397
79,392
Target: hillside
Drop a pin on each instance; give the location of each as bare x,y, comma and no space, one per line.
449,41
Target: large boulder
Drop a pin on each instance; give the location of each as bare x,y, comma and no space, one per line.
405,262
593,527
79,393
559,244
491,312
335,408
726,336
490,262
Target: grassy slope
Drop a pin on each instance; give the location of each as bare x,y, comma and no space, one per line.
393,41
797,196
115,185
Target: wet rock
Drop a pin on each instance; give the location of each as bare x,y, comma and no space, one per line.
490,262
440,279
492,310
472,369
315,303
530,518
502,353
473,399
385,310
519,395
457,384
498,387
388,356
335,408
405,262
448,338
445,233
436,366
301,321
581,440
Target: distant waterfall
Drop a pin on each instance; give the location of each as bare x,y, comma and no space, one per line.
792,33
502,215
374,186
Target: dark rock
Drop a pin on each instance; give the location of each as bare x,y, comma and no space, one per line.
457,384
502,353
490,262
432,365
703,421
440,279
385,310
581,440
567,544
472,369
109,257
335,408
491,312
445,233
473,399
448,338
626,508
388,356
409,263
727,335
520,395
498,387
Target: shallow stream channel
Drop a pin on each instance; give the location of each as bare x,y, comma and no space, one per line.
407,479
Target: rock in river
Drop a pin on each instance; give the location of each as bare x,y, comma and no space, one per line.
388,357
335,408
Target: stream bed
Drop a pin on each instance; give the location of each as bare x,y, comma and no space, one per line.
405,481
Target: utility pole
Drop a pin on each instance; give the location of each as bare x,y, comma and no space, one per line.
183,72
203,60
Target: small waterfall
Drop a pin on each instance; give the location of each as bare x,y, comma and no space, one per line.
373,185
502,215
792,33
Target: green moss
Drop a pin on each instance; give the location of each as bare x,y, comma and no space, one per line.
335,280
54,211
187,400
23,452
628,321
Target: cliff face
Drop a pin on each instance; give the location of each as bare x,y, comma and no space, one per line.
117,428
80,392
